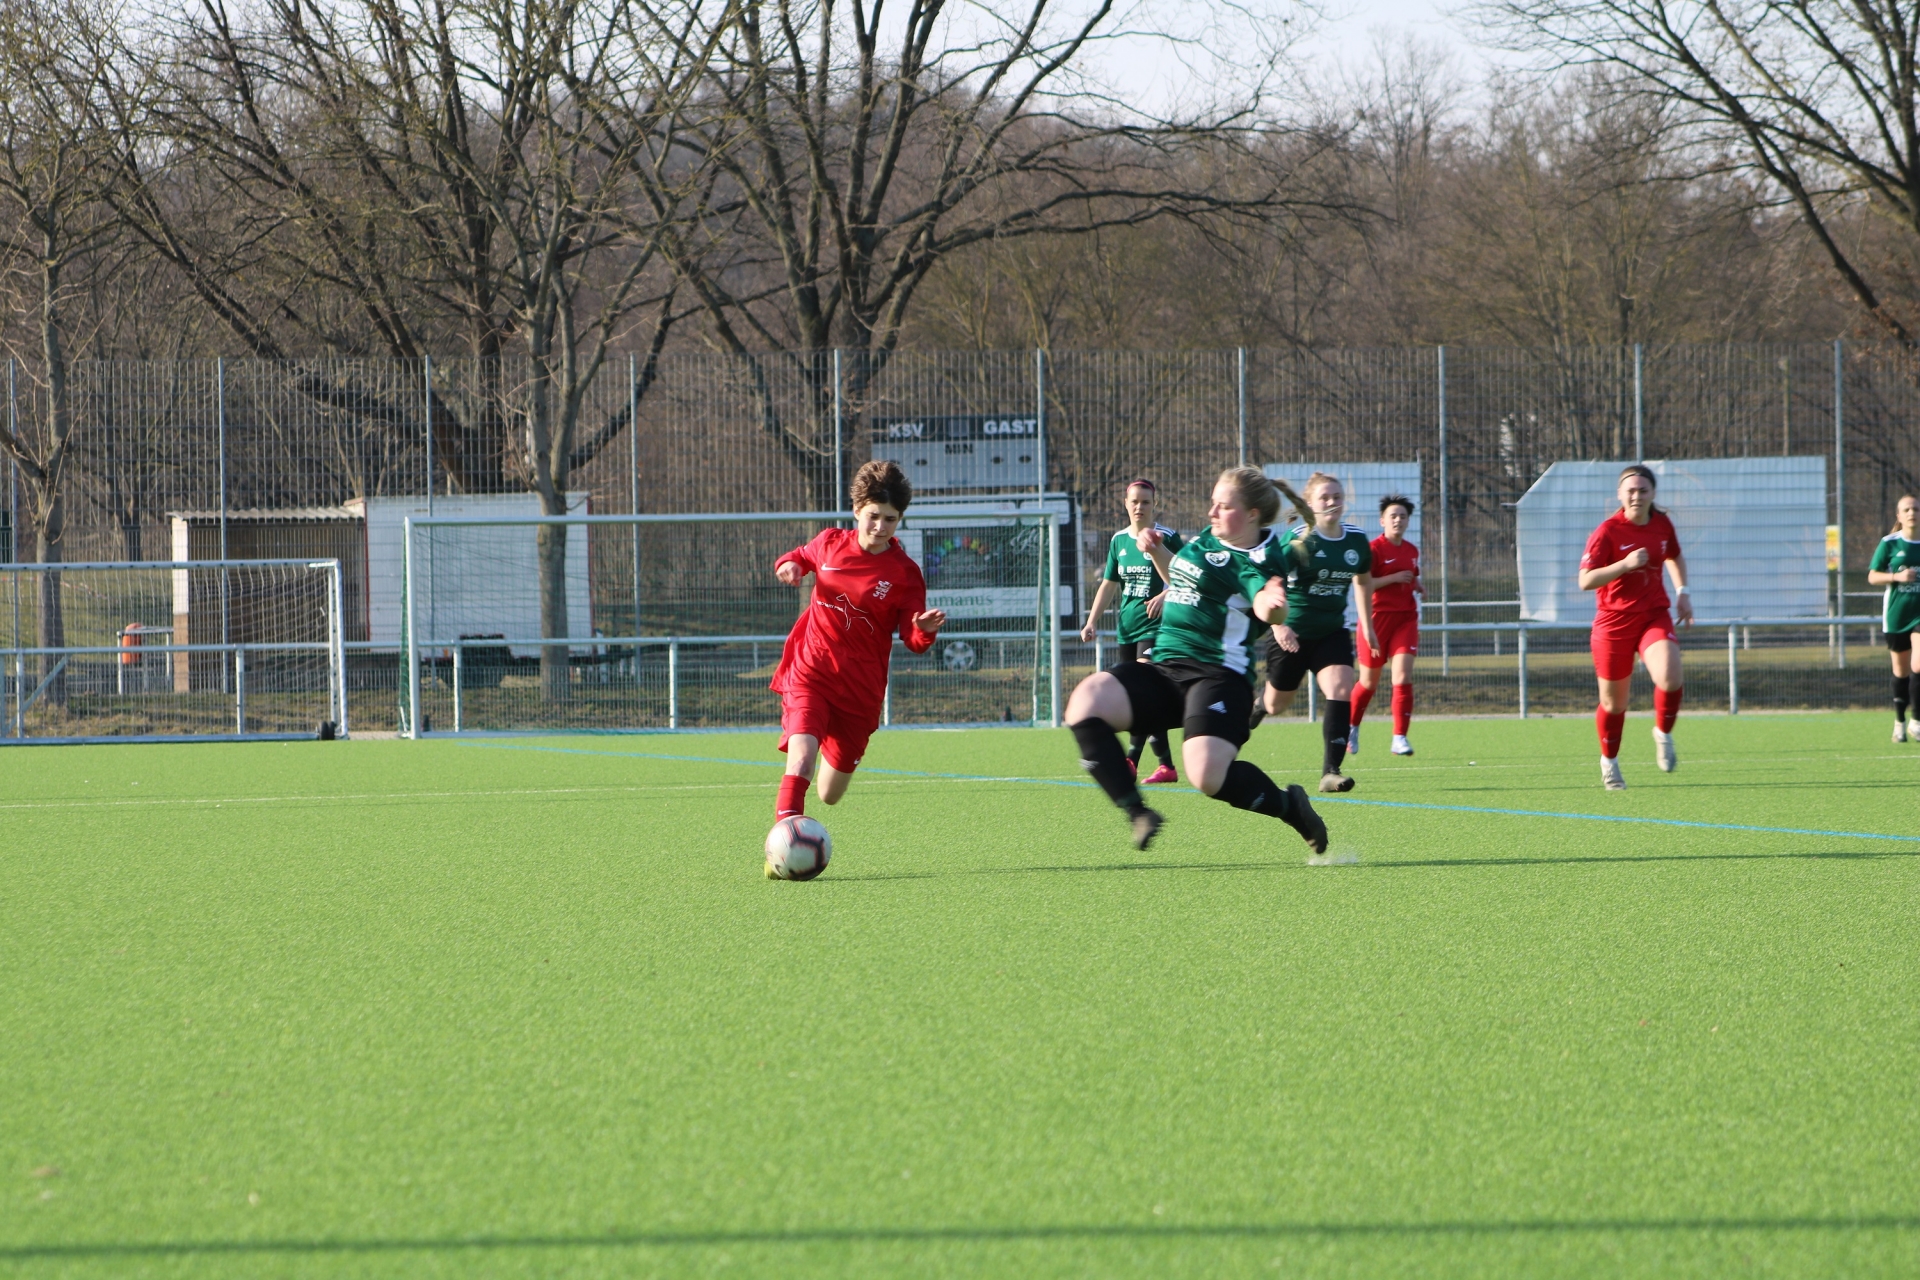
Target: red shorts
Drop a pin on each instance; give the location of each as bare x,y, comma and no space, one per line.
1397,632
1618,637
843,737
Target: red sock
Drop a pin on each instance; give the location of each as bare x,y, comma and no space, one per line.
1610,725
1361,697
793,797
1402,707
1666,708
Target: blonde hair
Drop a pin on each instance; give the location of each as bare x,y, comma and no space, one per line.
1254,490
1298,503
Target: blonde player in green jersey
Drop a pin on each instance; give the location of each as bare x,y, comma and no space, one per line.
1131,574
1322,561
1896,566
1220,587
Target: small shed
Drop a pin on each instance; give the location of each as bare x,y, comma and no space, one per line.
291,533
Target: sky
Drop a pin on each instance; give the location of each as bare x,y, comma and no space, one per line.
1215,35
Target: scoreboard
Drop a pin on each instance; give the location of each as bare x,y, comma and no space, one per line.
948,452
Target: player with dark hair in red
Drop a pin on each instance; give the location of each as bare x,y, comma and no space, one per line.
1622,562
832,678
1396,623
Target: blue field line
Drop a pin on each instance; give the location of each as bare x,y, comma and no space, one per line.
1375,804
778,764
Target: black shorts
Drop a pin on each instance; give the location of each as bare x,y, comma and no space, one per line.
1203,699
1131,651
1899,641
1286,670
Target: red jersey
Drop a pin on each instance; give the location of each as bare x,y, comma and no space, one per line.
841,644
1389,559
1642,590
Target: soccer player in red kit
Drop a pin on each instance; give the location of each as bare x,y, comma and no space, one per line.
1622,563
1396,623
832,678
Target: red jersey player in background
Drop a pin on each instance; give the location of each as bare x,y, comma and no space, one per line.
1622,563
832,678
1396,623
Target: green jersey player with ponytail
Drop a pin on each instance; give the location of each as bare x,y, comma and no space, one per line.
1221,592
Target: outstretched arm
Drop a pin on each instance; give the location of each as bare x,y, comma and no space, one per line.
795,565
917,631
1148,540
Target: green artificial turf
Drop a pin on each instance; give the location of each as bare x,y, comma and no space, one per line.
529,1008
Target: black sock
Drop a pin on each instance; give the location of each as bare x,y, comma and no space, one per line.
1902,687
1913,692
1135,745
1339,720
1248,788
1101,756
1162,749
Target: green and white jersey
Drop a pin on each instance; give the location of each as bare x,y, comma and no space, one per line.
1900,608
1208,616
1319,571
1139,581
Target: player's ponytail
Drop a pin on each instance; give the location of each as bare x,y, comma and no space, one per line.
1256,492
1298,503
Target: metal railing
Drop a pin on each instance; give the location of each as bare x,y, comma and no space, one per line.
1046,629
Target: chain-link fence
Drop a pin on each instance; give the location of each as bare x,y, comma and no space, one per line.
207,458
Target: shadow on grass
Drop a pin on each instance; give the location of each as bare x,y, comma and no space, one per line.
965,1235
1872,855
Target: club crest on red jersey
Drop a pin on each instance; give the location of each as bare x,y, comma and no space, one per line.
881,588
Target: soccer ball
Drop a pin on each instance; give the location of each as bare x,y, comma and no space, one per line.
797,849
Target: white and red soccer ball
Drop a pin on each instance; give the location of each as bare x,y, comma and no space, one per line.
797,849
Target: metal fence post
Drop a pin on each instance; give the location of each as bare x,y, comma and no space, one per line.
240,690
1639,404
839,429
459,673
633,491
220,414
1520,649
673,684
1733,669
1840,499
337,658
1040,423
886,700
1241,353
1053,623
426,367
19,693
1446,647
411,641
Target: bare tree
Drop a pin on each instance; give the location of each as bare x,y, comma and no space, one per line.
1816,98
860,148
59,229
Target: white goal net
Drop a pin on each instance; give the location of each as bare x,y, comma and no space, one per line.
651,622
171,649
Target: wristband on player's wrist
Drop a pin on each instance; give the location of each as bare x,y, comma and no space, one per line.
1681,591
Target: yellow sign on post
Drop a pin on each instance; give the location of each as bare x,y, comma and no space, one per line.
1833,548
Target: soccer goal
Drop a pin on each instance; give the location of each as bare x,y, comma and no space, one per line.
163,650
651,622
